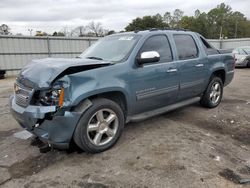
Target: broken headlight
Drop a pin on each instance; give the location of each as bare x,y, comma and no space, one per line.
54,97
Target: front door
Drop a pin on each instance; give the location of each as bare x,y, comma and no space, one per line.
155,84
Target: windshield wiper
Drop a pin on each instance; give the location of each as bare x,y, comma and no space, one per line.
92,57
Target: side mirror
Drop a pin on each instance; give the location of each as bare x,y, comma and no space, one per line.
148,57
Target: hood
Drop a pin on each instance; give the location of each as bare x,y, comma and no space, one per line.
42,72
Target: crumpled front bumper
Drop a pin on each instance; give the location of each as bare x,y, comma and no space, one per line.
57,131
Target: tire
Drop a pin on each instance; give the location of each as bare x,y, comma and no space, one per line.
100,126
248,64
213,94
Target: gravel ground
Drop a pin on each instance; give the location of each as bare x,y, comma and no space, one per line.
189,147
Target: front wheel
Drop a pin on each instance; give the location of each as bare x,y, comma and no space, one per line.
100,126
213,94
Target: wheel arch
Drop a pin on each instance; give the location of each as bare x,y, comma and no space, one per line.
221,73
115,95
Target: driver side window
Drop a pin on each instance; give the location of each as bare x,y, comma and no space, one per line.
160,44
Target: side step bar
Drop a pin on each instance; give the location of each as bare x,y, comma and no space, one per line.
146,115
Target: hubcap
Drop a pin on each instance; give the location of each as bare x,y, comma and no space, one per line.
102,127
215,93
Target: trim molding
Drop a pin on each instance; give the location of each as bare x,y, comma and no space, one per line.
191,84
156,92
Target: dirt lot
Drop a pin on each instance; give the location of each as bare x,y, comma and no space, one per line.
190,147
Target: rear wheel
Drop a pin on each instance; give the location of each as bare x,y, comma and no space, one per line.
213,94
100,126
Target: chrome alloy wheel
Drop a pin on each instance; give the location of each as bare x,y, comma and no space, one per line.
215,93
102,127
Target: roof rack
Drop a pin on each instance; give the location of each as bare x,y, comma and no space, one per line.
168,28
154,29
165,28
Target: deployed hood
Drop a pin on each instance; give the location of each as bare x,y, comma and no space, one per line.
41,73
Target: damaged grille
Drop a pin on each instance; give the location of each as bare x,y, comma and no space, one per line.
22,95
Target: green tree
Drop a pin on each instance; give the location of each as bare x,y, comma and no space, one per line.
220,21
61,34
110,32
146,22
237,25
58,34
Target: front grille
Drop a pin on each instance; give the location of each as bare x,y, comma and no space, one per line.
23,95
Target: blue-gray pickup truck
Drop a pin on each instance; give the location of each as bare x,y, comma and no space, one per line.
121,78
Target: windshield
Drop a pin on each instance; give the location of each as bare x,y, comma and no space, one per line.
112,48
246,50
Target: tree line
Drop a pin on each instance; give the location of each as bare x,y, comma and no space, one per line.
92,29
219,22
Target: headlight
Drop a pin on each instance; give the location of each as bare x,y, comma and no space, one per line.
54,97
243,58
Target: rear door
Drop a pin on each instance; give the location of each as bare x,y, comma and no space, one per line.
192,66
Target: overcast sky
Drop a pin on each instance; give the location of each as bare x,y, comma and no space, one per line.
51,15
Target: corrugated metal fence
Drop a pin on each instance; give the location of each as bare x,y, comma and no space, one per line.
17,51
230,43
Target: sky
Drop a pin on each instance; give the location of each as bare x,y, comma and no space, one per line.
57,15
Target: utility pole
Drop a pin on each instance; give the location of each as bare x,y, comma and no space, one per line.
220,32
30,30
80,31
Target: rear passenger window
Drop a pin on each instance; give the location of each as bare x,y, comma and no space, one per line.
160,44
208,48
186,47
205,43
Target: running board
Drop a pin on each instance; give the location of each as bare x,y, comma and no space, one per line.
146,115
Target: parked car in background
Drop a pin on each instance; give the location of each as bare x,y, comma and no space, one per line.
242,56
121,78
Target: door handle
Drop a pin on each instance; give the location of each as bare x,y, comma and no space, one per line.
200,65
171,70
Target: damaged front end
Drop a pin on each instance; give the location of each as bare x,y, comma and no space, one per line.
42,105
46,113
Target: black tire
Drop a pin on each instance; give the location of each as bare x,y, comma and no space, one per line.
82,135
206,100
248,64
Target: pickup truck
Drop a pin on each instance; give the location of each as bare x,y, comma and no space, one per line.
119,79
